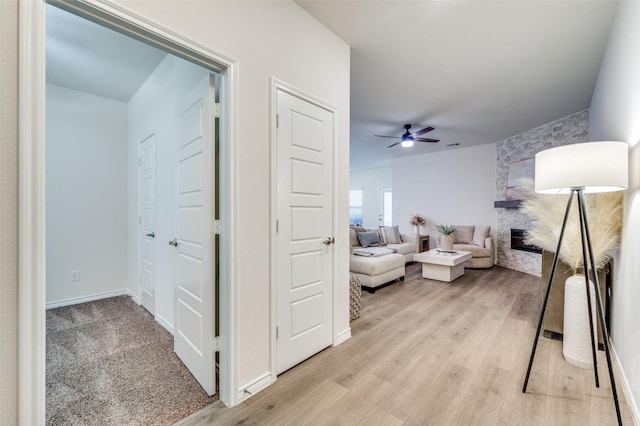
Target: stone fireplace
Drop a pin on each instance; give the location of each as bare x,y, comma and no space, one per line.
568,130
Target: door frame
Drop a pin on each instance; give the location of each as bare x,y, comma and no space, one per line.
31,186
337,335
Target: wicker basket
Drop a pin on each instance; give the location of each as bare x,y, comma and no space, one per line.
355,298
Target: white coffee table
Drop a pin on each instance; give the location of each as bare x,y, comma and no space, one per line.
442,266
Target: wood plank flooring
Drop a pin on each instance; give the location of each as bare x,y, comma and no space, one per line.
432,353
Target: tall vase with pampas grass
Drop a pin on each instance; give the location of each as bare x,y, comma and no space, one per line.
576,337
417,221
605,222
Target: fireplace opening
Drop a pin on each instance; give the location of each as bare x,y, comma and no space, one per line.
517,242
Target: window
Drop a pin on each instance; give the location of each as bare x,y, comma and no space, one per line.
355,207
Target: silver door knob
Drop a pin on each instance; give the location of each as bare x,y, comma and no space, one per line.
151,234
328,241
174,242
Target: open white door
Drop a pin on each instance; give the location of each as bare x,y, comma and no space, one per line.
305,229
194,311
147,227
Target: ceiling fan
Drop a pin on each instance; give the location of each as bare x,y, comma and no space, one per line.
408,138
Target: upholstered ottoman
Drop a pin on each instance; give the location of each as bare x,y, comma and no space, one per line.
375,271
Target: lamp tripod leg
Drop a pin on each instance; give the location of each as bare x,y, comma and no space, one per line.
535,339
603,324
592,334
547,292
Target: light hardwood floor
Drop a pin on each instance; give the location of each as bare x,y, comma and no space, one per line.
435,353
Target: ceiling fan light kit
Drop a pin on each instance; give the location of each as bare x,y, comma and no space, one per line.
407,139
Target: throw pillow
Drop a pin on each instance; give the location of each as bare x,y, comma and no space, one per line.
353,238
480,234
368,238
463,234
391,234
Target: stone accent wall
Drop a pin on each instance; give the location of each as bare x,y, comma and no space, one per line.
568,130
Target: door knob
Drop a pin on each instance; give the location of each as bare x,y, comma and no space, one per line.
151,234
174,242
329,240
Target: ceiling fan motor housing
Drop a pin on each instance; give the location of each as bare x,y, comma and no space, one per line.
408,138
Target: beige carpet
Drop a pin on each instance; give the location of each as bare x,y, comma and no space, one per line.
110,363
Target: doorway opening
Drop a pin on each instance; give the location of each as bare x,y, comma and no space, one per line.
105,221
32,204
386,207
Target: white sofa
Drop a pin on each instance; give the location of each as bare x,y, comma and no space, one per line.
478,241
376,271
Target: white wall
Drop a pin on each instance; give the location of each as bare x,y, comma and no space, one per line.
370,181
86,181
447,187
615,115
153,109
267,39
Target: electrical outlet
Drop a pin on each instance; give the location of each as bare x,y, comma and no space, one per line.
75,275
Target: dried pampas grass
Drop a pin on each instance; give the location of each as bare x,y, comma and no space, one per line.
604,216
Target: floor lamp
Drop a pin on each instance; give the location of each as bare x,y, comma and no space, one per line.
575,170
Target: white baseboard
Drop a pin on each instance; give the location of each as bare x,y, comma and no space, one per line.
91,298
343,336
626,388
135,297
254,387
164,324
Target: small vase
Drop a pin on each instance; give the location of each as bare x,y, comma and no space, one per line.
416,230
446,242
576,340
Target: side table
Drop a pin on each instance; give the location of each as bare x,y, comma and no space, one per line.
423,243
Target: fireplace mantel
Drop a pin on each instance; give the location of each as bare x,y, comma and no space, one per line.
507,204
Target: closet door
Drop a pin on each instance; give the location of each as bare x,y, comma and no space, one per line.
194,311
305,229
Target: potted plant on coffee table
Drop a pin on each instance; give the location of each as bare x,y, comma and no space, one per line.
446,241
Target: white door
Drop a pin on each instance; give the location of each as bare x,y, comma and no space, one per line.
194,311
305,230
147,222
386,204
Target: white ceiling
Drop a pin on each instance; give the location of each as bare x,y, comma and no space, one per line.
90,58
478,71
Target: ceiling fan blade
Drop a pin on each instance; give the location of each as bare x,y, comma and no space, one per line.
383,136
426,140
394,144
423,131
